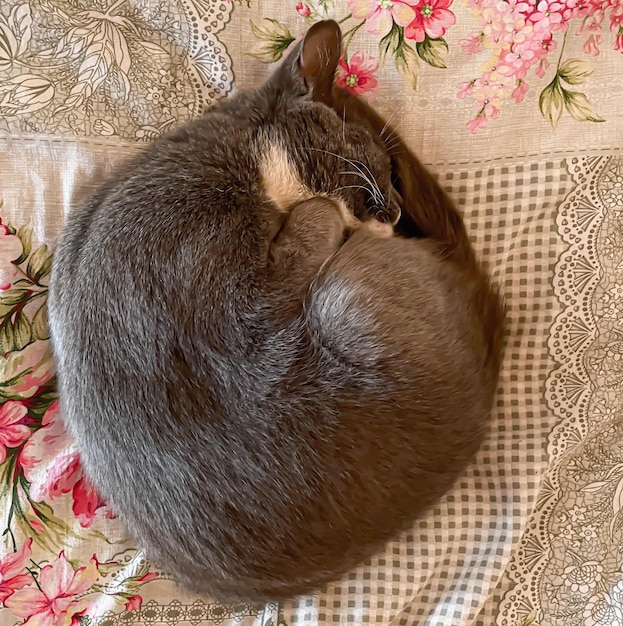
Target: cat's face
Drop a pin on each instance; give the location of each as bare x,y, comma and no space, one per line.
308,148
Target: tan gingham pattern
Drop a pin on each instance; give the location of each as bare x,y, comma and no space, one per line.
443,571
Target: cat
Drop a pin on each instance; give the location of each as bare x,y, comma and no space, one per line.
263,380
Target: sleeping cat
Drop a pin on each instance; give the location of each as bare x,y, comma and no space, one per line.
262,380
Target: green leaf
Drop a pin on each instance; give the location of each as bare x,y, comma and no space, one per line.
41,402
433,51
5,311
575,71
22,331
407,64
40,323
274,38
551,102
579,107
6,338
39,263
25,236
12,297
391,42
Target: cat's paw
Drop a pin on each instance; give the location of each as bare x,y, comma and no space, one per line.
378,229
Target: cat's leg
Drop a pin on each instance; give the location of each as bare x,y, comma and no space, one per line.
311,234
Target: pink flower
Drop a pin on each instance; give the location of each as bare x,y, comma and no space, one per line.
479,122
520,91
514,63
472,44
432,18
491,110
36,525
541,67
380,15
575,9
25,371
591,45
52,465
133,603
521,35
548,16
13,432
56,603
61,477
10,250
88,503
592,22
52,443
616,19
358,75
11,568
303,9
465,89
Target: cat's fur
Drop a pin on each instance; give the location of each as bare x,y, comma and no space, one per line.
261,401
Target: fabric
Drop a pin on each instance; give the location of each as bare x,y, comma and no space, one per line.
516,105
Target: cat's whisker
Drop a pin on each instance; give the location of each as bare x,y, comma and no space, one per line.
374,187
365,188
387,123
373,182
392,138
352,187
394,127
375,192
390,147
372,191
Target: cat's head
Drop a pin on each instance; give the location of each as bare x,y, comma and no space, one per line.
305,140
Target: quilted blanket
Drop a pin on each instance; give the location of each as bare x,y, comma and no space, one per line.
517,106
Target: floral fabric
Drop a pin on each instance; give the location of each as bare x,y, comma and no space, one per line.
517,107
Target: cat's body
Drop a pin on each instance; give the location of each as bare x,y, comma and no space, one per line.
262,403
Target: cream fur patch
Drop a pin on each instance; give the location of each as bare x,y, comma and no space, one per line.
281,180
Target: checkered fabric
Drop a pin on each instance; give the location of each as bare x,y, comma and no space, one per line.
443,571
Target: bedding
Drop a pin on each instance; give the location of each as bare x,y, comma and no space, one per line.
517,106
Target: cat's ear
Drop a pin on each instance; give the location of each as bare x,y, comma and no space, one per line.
309,69
320,54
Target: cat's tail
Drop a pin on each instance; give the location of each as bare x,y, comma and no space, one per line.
435,216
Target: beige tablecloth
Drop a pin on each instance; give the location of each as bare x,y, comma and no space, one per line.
518,106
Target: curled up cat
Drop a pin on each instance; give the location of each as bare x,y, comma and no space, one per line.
264,381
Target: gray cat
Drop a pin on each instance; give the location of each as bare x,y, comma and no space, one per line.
264,382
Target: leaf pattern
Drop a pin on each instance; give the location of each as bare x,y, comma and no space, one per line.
15,34
87,67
